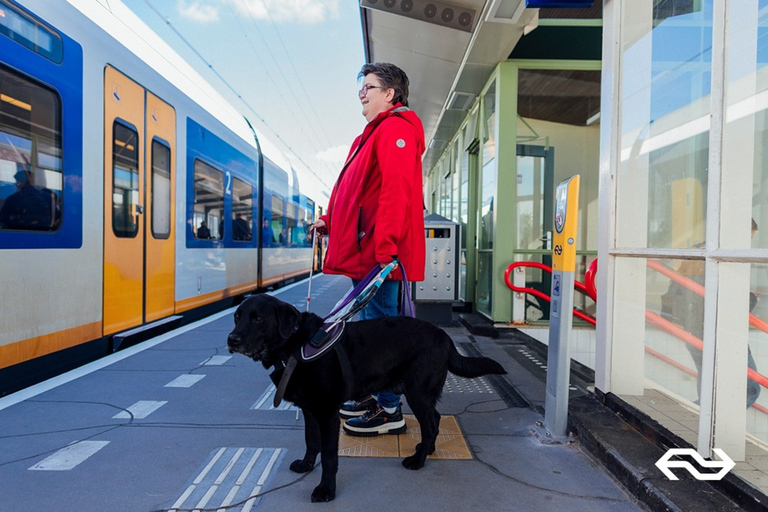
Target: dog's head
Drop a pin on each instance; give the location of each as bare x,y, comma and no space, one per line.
263,324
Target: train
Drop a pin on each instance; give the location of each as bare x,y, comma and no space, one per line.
133,196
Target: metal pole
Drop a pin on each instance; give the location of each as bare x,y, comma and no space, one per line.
561,310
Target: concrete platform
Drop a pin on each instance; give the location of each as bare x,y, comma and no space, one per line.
177,423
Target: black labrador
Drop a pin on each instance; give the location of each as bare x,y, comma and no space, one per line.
402,354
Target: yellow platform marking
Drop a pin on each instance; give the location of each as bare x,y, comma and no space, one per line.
450,442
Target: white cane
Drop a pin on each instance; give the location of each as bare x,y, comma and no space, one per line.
311,267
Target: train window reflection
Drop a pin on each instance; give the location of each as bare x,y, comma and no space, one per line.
209,202
125,181
161,190
291,233
242,210
30,155
276,224
27,31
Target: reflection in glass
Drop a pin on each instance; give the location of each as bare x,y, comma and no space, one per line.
665,107
242,210
125,182
530,202
484,282
161,190
31,174
274,234
209,201
757,415
488,172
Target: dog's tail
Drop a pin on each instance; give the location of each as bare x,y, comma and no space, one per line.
470,367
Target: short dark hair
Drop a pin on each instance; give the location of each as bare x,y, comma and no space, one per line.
391,76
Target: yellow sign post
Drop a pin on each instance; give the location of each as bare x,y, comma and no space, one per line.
561,310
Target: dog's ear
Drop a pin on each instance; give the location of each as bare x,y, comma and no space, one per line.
287,319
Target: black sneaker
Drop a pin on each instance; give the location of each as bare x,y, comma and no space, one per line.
376,422
353,409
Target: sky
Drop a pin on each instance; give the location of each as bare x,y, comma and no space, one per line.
294,62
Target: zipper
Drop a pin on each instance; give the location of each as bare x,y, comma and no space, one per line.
360,232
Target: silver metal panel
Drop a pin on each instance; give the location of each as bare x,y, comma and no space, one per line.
441,271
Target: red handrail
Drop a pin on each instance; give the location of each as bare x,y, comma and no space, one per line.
697,289
662,323
589,280
589,289
577,285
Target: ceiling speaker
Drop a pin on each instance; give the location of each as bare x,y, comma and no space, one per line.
439,13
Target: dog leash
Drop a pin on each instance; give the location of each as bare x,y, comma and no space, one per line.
356,300
311,269
335,322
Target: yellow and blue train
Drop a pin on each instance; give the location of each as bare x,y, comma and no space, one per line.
130,190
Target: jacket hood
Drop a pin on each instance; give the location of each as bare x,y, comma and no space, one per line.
404,113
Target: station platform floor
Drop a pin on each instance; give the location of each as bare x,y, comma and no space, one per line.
178,423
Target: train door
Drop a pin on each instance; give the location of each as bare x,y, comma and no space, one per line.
139,144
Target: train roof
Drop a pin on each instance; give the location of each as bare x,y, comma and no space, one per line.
116,19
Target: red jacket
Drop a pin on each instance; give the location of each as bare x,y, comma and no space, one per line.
376,209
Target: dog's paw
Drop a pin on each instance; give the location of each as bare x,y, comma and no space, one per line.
430,452
413,462
322,494
301,466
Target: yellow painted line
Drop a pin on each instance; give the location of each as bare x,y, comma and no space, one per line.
450,442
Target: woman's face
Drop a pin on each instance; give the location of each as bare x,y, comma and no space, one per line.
374,98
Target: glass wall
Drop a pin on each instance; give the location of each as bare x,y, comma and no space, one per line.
558,116
488,178
686,175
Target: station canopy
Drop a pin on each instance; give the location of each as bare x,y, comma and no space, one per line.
449,50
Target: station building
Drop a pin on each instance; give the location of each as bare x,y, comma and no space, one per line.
661,108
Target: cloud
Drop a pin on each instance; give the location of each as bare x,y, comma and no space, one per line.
198,11
335,155
302,11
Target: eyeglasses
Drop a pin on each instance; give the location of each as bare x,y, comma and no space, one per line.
367,87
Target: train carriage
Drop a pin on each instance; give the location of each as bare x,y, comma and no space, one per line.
131,192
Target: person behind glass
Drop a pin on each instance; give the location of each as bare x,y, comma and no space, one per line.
203,231
28,207
686,308
267,235
240,228
375,215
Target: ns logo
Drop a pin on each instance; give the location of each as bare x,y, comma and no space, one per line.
665,464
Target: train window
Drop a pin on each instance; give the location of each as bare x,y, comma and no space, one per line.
242,210
291,217
30,155
125,181
276,224
209,201
161,190
302,229
25,30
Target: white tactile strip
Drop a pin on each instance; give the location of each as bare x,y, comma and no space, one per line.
454,384
70,456
230,476
216,361
141,409
185,381
533,356
265,402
